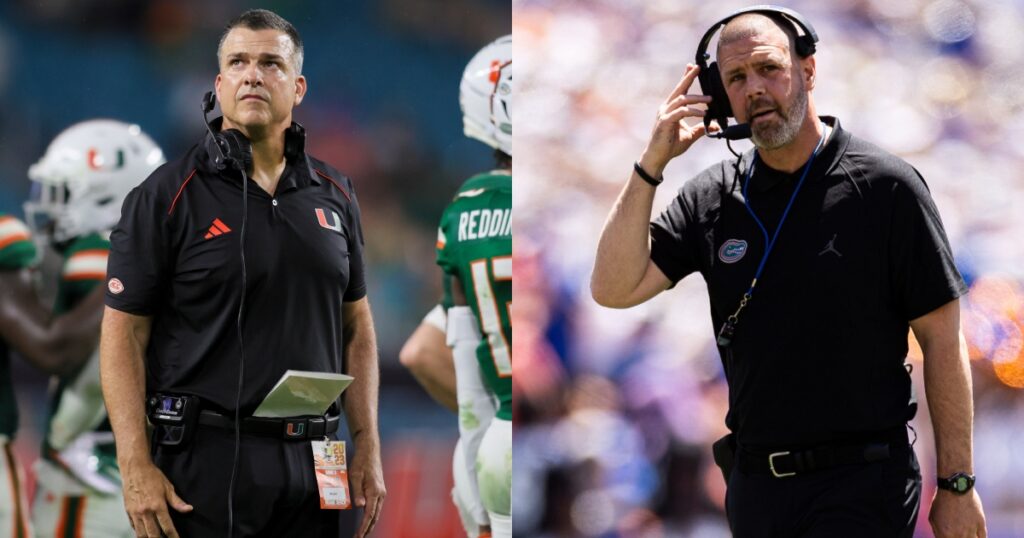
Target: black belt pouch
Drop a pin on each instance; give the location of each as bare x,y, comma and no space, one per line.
174,417
724,451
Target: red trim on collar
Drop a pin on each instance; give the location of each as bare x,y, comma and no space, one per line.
329,178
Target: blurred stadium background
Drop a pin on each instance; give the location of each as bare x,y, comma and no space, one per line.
616,410
382,107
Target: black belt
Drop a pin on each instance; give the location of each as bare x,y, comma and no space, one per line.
783,463
291,428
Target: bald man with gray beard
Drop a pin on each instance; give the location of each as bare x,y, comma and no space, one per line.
820,252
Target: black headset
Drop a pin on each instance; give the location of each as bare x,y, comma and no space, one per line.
234,150
710,78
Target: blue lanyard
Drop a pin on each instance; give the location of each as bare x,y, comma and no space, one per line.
725,335
775,236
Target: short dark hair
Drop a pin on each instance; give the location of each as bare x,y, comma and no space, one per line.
262,19
779,19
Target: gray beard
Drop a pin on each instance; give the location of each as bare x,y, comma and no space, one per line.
769,135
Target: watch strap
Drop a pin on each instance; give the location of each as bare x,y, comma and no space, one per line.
958,483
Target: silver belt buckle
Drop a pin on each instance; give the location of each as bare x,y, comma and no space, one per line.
771,465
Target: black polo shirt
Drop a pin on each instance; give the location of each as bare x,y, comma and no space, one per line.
175,256
818,353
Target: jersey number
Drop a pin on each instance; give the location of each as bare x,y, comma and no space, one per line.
488,307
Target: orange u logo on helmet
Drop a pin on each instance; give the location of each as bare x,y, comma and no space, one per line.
96,161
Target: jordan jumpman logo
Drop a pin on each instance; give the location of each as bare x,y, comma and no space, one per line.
831,247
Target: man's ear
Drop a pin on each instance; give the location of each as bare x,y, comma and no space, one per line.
809,68
300,89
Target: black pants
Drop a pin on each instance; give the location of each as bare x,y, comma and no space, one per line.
275,488
879,500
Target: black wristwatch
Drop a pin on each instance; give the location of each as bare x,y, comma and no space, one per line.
958,483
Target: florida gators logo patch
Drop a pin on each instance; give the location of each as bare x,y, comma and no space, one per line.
732,250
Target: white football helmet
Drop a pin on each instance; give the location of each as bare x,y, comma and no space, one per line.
485,95
80,183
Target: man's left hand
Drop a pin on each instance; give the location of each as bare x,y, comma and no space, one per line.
957,516
367,478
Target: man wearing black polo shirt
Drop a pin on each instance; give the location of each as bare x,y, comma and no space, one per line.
820,251
174,326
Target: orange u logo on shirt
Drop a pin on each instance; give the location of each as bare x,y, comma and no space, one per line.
321,217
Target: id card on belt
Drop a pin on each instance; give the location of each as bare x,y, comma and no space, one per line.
331,474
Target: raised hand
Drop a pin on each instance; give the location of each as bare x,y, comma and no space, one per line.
671,135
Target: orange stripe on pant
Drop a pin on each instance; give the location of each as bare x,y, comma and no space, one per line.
63,521
72,517
80,517
20,528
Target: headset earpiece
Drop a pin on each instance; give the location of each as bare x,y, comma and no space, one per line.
294,141
711,84
209,101
710,78
805,46
236,150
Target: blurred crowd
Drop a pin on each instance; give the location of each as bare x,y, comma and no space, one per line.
382,108
616,410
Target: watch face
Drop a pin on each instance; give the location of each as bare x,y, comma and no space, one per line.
961,483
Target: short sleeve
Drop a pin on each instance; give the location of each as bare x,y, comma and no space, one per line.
356,266
447,297
137,266
445,262
85,267
670,249
86,261
444,255
923,273
16,247
437,318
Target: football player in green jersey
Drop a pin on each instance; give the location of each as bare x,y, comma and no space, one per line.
474,248
74,191
16,254
78,188
485,97
58,344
